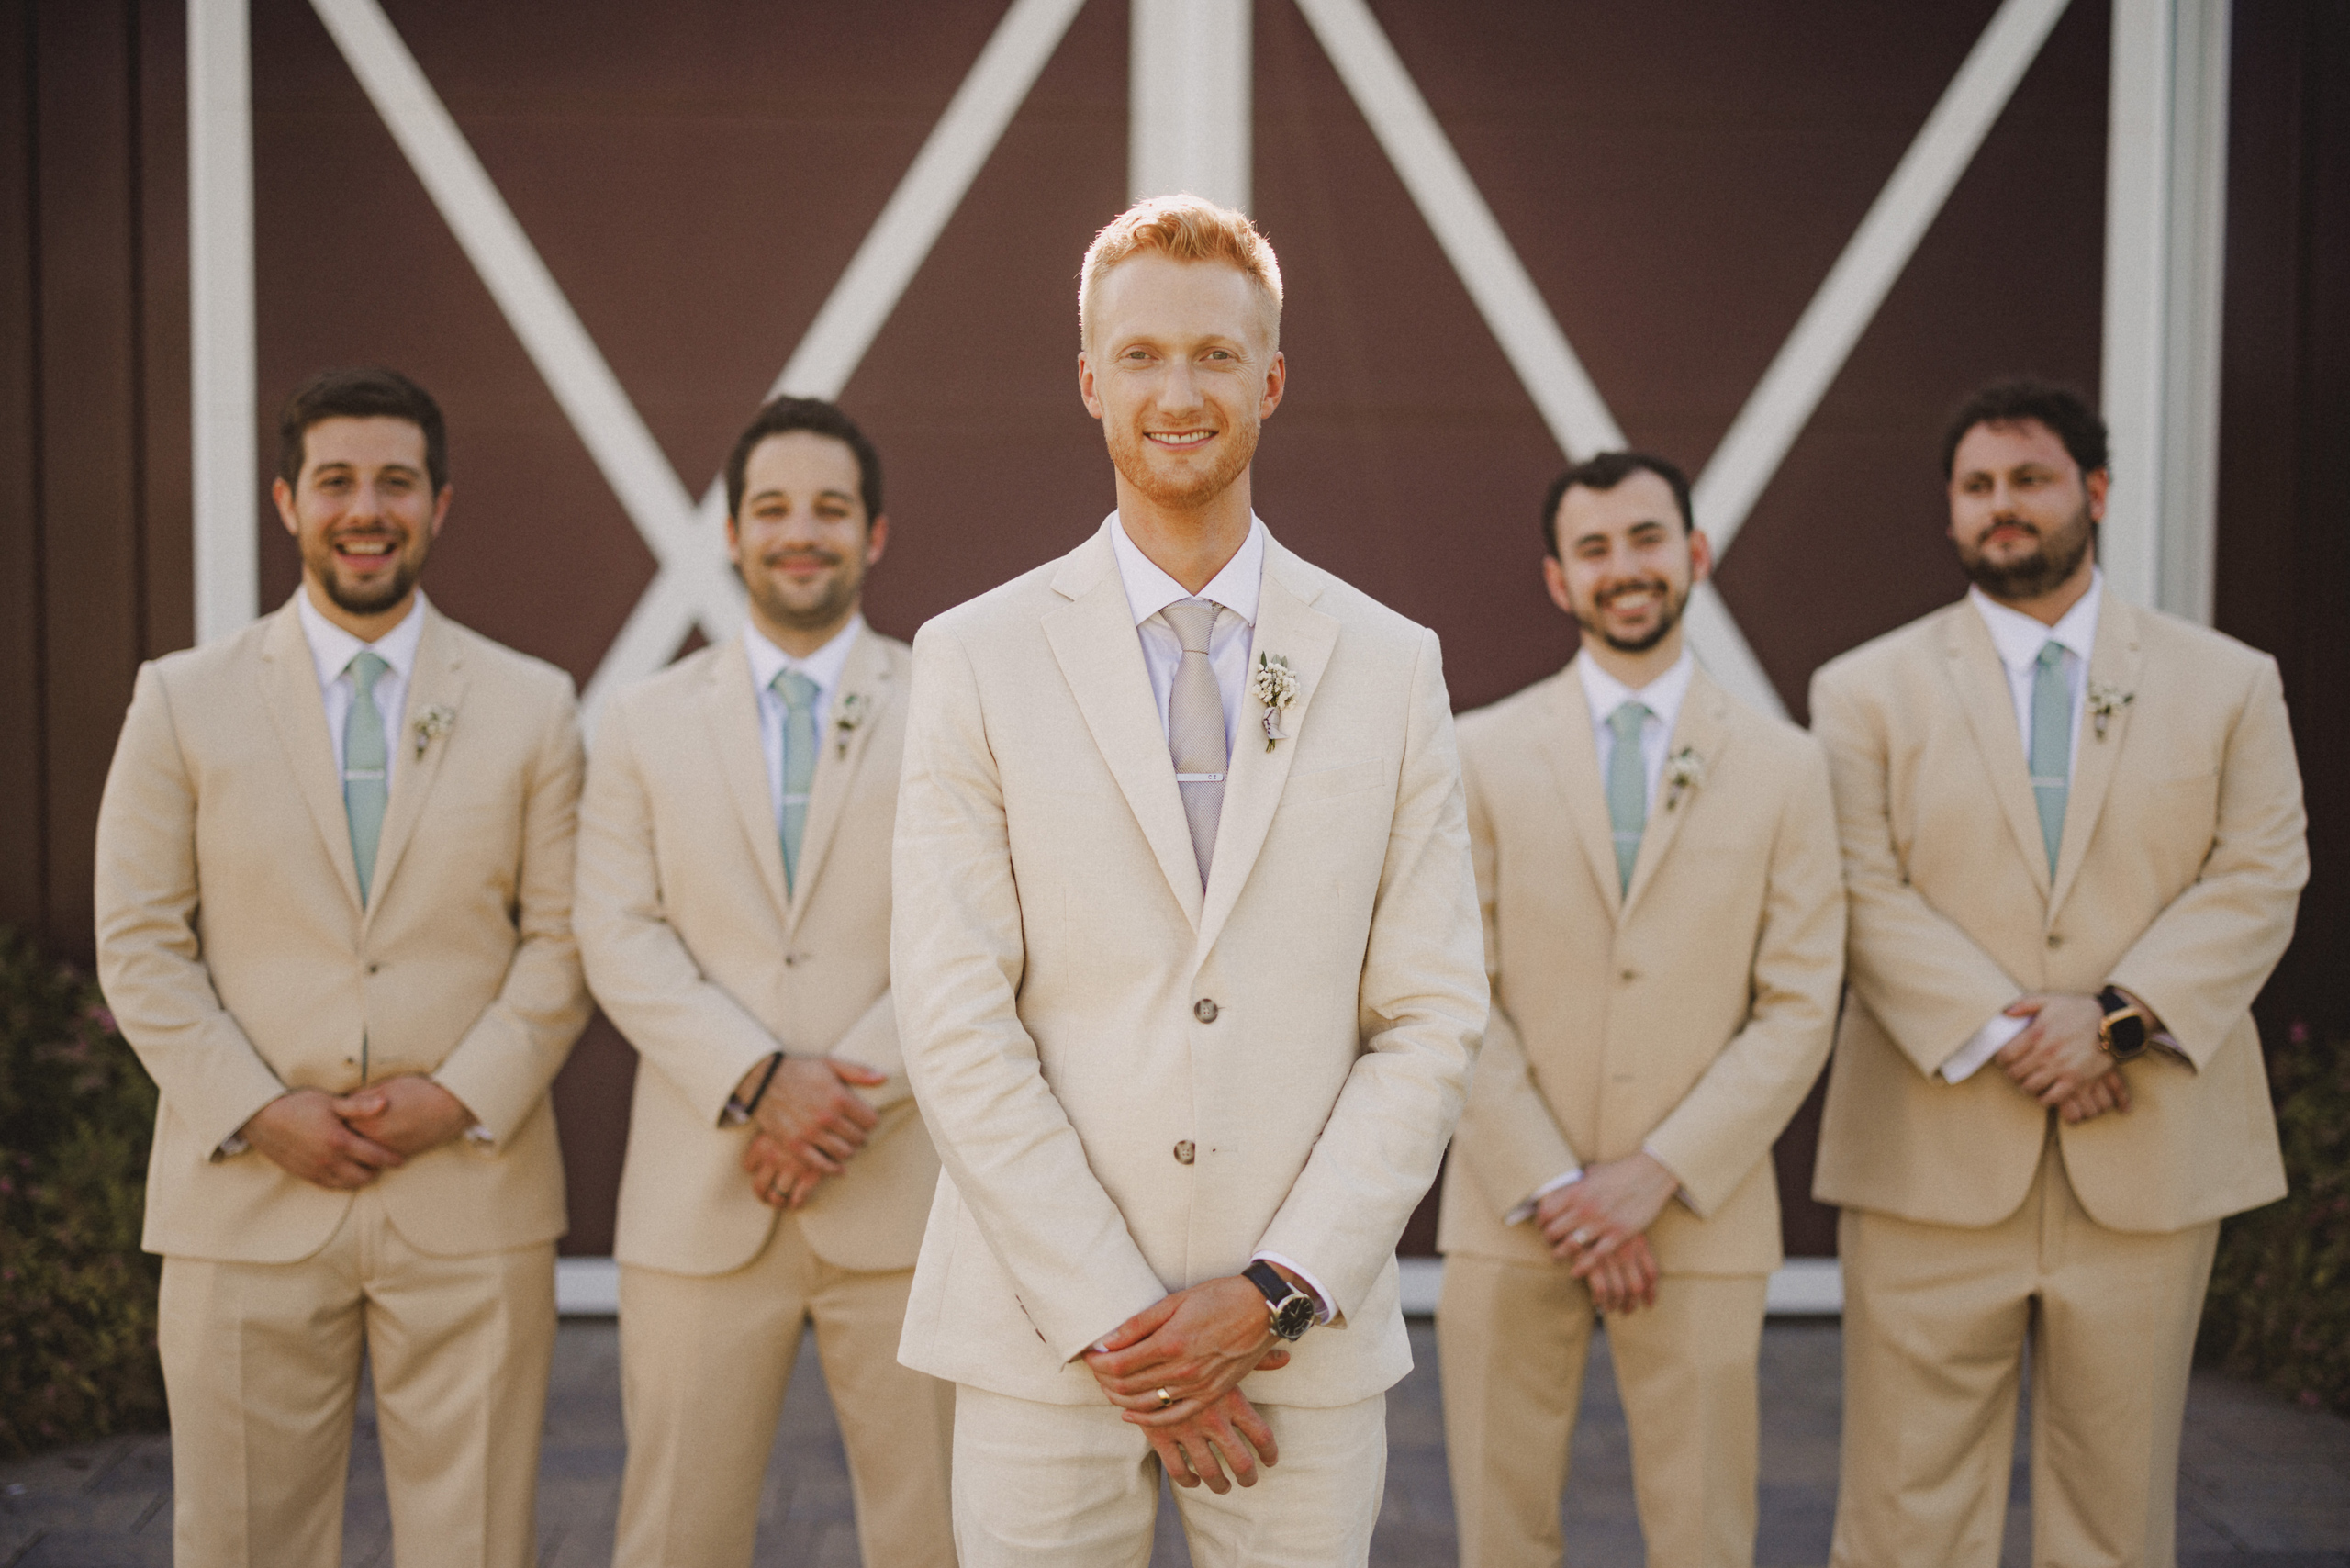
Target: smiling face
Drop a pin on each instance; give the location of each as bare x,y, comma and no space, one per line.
803,542
2022,513
1182,369
363,513
1625,564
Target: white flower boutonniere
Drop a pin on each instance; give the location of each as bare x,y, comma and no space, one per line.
431,725
1274,684
1684,771
2106,699
848,714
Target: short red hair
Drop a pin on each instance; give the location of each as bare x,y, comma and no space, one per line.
1186,228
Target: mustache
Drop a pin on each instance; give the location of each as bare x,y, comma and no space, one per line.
1646,585
822,558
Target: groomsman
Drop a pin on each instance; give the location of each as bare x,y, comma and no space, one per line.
1186,952
735,917
2073,838
335,920
1664,930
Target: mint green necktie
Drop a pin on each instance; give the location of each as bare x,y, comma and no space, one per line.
799,694
1627,788
366,766
2052,743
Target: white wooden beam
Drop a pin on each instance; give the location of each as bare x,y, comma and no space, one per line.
222,380
1191,104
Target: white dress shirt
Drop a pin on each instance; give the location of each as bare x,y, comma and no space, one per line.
1236,586
332,651
2018,638
1603,693
824,667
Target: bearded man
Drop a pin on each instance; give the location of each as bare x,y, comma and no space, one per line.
1664,930
334,869
1186,959
734,918
2073,842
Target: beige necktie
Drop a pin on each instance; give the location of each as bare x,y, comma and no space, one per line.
1195,733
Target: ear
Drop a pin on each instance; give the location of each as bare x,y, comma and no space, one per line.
1276,383
1554,578
1085,385
283,494
1701,556
2098,485
441,507
877,540
733,540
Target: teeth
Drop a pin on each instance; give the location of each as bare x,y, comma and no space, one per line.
1189,438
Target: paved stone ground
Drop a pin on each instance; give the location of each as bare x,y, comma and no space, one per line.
2264,1485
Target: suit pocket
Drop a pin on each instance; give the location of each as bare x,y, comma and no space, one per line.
1329,783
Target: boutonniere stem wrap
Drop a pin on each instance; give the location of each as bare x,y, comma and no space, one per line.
1274,684
1684,771
847,715
431,725
2106,699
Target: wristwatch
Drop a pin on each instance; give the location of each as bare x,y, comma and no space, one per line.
2121,1034
1293,1310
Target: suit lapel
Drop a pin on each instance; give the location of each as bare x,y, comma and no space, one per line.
1980,681
1573,752
731,714
290,689
439,680
1287,624
1702,730
1094,640
2114,661
865,689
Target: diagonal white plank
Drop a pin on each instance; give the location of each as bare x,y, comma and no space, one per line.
1808,362
893,251
551,331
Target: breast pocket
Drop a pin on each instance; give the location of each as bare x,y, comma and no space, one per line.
1330,783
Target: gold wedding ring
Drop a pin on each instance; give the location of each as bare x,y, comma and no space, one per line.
1165,1399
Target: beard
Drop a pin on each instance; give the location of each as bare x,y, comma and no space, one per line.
2039,571
1130,455
352,599
830,602
1667,617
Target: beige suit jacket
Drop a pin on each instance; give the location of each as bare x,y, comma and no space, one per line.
695,950
236,954
1688,1014
2176,879
1134,1083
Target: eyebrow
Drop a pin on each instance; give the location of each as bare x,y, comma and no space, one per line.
832,491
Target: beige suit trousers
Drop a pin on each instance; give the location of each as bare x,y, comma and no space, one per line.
705,1361
1041,1485
1936,1320
1512,1343
260,1363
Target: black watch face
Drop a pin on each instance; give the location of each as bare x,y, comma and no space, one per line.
1295,1317
2128,1036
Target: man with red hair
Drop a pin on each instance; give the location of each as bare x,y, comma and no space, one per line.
1189,972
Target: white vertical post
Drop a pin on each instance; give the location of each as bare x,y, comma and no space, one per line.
2165,215
220,314
1189,107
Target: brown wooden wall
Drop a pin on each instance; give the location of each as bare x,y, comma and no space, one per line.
1676,176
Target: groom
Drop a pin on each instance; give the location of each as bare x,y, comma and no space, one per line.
1190,975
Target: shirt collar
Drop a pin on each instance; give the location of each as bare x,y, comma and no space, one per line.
1149,589
2019,637
824,667
333,648
1661,697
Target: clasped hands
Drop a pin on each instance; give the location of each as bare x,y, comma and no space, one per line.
807,1125
1175,1368
1599,1224
2056,1059
344,1141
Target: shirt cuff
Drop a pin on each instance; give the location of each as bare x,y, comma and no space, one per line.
1321,1296
1980,1047
1524,1211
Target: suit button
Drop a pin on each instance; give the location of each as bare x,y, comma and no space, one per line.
1204,1011
1185,1153
789,959
372,968
1628,976
2054,940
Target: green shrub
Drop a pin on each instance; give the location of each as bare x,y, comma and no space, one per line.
77,1297
2279,1305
